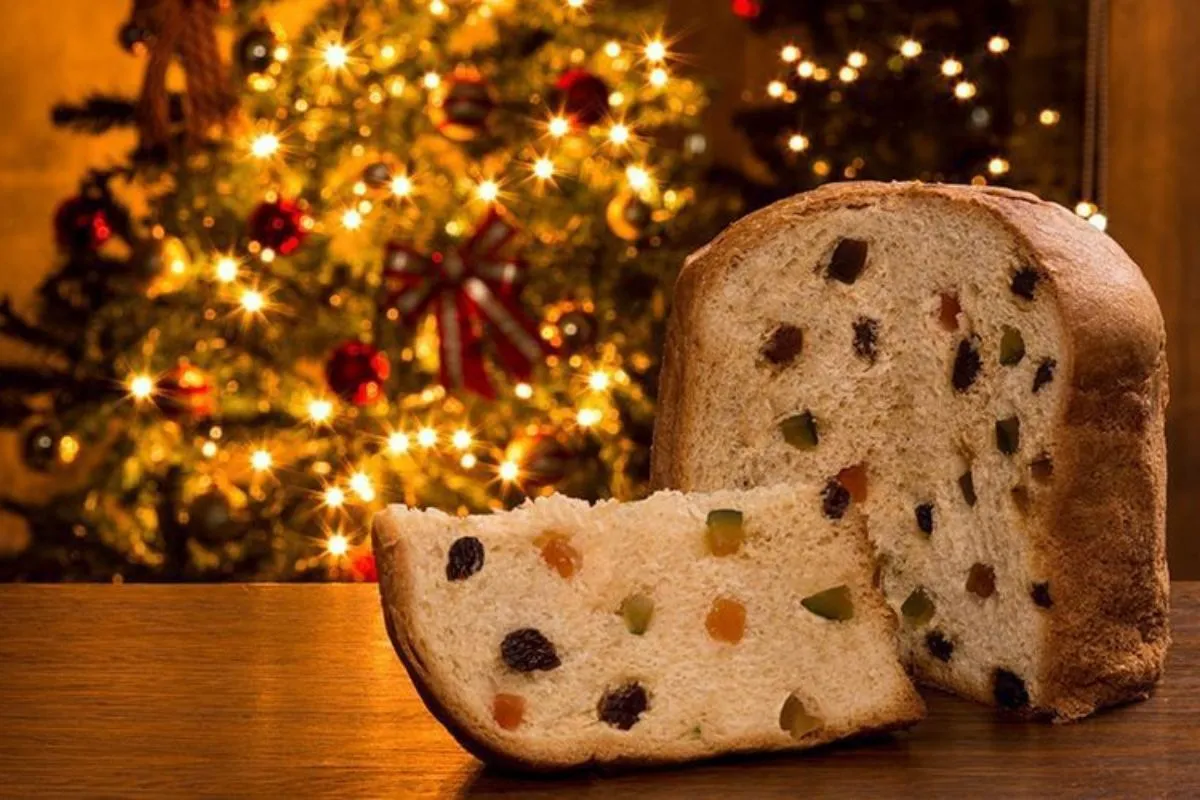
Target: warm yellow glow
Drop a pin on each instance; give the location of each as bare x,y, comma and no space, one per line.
998,166
659,77
427,437
509,471
820,168
543,168
612,49
656,51
911,48
387,52
337,545
264,145
351,219
805,69
320,410
208,449
431,80
438,8
402,186
576,4
848,74
252,301
487,191
776,88
1048,116
468,461
335,497
789,53
282,53
1085,209
260,460
68,449
1098,221
587,417
964,90
360,483
618,133
638,177
558,126
998,44
226,269
857,59
141,387
797,143
523,391
952,67
599,380
335,55
616,99
397,443
461,439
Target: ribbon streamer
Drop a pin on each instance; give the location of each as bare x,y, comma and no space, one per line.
467,290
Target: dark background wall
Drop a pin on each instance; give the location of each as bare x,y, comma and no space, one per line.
65,48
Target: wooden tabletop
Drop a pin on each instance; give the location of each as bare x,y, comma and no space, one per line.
294,691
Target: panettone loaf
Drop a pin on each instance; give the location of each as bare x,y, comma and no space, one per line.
674,628
989,371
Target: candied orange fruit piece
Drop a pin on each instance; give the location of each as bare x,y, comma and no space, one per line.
559,554
949,310
726,621
854,479
508,710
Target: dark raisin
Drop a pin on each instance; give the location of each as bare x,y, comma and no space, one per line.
835,499
466,558
1042,468
1008,435
848,260
866,334
966,365
925,518
939,646
1044,374
783,345
966,484
1024,282
622,706
981,581
526,650
1041,595
1009,690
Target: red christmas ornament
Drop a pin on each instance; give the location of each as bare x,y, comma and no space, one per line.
362,568
583,96
466,290
356,372
186,391
465,107
746,9
81,223
282,226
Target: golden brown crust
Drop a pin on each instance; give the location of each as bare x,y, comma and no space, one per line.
1103,547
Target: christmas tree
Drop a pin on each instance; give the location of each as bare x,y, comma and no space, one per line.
413,252
998,92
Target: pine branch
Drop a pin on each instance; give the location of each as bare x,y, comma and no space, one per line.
96,114
12,326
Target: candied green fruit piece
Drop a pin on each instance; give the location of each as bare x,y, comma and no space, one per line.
1008,435
800,431
834,603
795,719
918,608
637,611
1012,347
725,533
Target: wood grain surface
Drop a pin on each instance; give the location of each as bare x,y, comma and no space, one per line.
293,691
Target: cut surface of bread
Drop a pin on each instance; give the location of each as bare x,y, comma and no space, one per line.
675,628
989,371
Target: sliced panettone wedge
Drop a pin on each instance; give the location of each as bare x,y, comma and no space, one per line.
993,369
676,628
